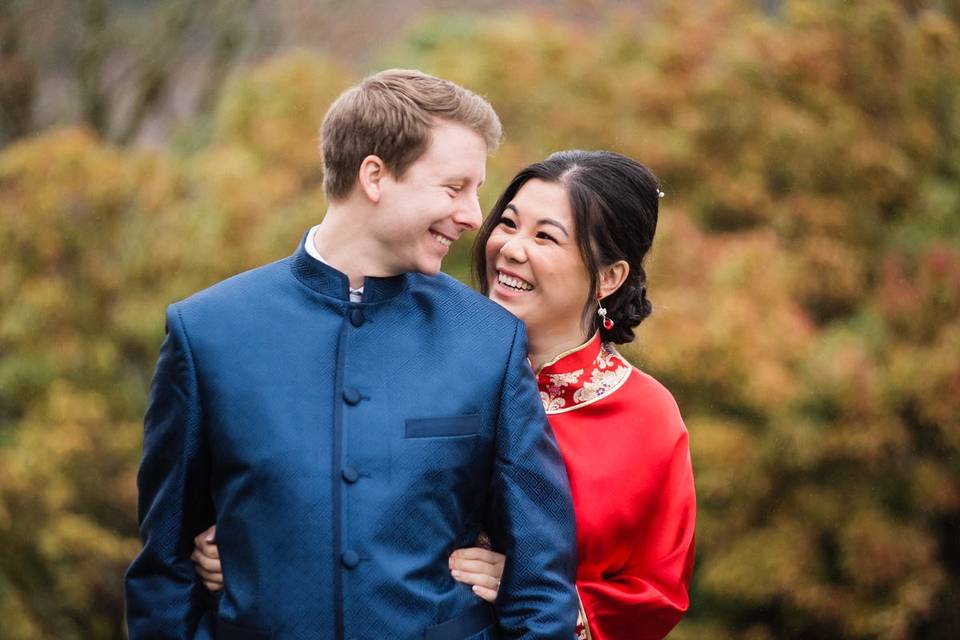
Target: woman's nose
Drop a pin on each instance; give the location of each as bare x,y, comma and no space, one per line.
513,250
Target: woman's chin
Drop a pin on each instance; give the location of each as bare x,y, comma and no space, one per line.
507,299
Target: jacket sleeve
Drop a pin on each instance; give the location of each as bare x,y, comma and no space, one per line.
531,518
163,597
646,598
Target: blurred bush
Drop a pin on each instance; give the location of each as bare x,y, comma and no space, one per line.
806,281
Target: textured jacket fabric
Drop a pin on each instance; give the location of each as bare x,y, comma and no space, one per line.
344,450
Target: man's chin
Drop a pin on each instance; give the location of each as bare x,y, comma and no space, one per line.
429,268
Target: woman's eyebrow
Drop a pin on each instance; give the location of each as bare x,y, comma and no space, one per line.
550,221
554,223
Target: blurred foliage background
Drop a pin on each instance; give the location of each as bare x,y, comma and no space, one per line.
805,278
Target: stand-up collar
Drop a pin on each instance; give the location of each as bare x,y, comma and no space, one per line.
581,376
326,280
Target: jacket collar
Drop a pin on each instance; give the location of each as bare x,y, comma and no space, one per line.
326,280
581,376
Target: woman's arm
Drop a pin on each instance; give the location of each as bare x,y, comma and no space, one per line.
645,599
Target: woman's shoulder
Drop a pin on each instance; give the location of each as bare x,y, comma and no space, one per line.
650,400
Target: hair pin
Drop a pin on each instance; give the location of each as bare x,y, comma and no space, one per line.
660,194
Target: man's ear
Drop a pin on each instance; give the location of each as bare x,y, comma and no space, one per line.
370,177
611,277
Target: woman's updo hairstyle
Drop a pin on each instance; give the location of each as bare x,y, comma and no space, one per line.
614,201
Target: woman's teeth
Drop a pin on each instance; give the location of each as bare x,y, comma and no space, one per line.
444,240
513,283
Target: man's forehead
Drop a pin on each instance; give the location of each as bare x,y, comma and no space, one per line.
456,152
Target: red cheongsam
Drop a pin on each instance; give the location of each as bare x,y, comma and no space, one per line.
625,447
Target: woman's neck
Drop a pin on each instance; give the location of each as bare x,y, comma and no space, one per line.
544,348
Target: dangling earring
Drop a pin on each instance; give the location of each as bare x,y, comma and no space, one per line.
607,322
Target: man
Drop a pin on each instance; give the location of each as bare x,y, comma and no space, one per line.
349,416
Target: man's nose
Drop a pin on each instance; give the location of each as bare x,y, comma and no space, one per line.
470,215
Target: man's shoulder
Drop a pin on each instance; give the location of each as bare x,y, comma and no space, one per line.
237,290
454,295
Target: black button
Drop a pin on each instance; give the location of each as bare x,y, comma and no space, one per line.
356,317
349,558
350,474
351,396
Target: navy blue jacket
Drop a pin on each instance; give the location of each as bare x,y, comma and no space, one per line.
344,451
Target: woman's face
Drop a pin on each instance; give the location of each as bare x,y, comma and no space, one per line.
534,267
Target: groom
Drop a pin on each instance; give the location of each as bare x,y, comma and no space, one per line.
348,416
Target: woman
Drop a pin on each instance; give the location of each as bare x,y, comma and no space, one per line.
563,249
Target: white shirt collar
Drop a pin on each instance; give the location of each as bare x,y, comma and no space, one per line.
356,295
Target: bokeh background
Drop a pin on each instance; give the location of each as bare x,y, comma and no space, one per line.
805,276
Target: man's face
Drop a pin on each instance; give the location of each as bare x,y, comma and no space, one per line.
421,214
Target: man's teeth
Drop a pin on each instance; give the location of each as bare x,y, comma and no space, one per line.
444,240
513,283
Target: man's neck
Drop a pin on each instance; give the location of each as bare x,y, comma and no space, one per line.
347,249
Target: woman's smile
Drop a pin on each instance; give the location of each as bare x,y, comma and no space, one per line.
512,284
534,266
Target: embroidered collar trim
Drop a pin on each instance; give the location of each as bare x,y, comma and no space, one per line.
581,376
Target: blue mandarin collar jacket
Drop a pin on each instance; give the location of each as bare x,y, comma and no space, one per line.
344,450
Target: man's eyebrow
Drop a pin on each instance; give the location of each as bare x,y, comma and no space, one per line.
550,221
462,179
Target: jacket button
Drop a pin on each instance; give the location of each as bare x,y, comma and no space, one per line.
351,396
350,474
349,558
356,317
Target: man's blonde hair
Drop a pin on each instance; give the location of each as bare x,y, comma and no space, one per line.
390,115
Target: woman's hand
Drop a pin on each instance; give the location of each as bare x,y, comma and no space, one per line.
480,568
206,559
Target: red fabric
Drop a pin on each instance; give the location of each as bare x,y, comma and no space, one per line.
628,460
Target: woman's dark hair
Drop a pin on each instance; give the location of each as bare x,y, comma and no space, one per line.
614,201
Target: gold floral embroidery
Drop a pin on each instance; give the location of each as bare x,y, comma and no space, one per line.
600,383
551,404
560,380
553,398
565,391
581,631
607,357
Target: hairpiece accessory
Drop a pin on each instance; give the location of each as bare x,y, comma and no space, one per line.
607,322
660,194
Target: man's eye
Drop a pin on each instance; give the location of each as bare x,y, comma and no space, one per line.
453,189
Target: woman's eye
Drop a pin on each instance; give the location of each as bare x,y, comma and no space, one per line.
543,235
508,223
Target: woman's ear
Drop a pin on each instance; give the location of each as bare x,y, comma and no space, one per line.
370,177
612,277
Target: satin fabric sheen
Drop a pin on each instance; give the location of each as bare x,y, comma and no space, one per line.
628,462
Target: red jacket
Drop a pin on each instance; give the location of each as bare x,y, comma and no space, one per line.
625,448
